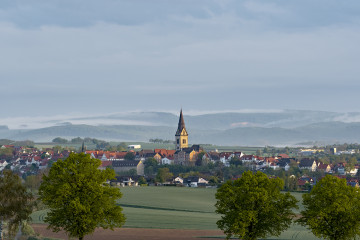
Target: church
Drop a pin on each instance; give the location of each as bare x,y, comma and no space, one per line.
184,154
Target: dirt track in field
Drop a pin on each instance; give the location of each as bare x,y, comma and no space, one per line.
136,234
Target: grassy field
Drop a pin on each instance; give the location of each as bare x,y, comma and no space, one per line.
177,208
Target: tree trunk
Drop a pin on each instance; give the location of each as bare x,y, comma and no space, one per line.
19,233
1,226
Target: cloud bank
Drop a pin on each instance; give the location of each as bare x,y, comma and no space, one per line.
95,57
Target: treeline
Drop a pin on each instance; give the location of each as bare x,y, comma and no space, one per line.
25,143
99,144
158,140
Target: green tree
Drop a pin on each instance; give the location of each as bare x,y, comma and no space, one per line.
332,209
16,203
32,182
78,197
6,153
77,140
129,156
253,207
60,140
163,174
151,165
142,180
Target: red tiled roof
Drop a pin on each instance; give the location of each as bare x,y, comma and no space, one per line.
106,163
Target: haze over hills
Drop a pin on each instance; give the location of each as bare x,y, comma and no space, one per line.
288,127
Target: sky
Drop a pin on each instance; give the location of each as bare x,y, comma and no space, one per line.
61,57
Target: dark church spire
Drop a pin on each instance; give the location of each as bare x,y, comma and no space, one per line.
83,147
181,124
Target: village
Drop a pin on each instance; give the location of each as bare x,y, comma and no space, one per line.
192,166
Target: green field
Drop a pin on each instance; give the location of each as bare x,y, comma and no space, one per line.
177,208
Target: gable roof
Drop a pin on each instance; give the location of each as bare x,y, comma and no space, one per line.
306,162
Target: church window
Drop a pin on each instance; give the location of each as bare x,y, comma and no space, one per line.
184,141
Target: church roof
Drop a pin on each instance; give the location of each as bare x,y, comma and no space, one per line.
181,125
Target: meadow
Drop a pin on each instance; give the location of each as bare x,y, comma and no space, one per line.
178,208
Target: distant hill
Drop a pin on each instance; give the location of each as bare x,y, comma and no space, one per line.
3,127
287,127
218,121
246,136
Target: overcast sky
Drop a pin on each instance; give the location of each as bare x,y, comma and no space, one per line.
90,56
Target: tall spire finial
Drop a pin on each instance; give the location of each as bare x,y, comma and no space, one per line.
83,147
181,124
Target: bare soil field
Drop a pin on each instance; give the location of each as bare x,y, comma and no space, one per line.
136,234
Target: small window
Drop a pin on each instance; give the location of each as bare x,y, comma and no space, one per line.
177,141
184,141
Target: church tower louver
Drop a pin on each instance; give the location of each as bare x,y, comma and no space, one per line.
181,136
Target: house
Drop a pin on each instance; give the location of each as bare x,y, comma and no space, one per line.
126,165
194,181
225,158
309,164
3,164
125,181
353,182
283,155
167,161
305,183
134,146
324,167
178,180
340,168
214,156
43,164
353,171
165,153
249,158
187,156
284,163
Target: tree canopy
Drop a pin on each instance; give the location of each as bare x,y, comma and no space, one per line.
332,209
163,174
16,203
253,207
78,197
129,156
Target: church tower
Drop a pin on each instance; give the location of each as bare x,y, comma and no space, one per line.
181,136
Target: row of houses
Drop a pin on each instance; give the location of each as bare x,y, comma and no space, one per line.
191,181
25,159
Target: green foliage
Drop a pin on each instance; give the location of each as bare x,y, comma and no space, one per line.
77,140
157,140
78,198
235,161
151,166
16,203
129,156
26,229
253,207
60,140
332,209
142,181
32,182
120,147
6,153
163,174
